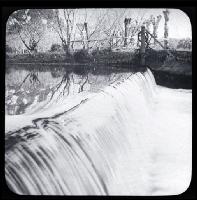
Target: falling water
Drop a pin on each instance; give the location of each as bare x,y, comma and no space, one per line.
105,145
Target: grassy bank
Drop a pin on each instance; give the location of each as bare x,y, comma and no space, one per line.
154,58
175,72
179,63
78,57
38,58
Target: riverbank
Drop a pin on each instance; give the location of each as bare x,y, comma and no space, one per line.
172,80
153,57
173,72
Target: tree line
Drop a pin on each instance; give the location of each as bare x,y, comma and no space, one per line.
29,25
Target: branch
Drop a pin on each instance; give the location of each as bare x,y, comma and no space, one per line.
24,80
59,25
24,42
98,25
81,87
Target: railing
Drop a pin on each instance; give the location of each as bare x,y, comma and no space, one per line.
144,36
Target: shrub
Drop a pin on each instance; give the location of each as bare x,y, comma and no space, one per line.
8,49
185,44
56,48
81,56
105,51
95,52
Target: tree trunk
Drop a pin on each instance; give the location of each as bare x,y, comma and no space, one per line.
126,23
66,48
154,33
143,46
166,17
87,37
67,45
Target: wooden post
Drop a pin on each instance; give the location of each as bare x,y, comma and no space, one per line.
127,21
86,31
125,32
67,33
143,46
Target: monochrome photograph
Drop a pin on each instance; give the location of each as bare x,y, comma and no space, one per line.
98,101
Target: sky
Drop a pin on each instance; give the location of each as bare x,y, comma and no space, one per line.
179,23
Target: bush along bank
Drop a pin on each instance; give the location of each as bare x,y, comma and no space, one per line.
181,63
81,56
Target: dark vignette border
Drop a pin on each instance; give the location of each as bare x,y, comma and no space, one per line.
10,6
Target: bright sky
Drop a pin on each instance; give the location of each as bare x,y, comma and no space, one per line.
179,23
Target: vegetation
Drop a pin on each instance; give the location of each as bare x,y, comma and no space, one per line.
109,39
110,28
49,57
185,44
28,25
8,49
56,48
82,56
83,50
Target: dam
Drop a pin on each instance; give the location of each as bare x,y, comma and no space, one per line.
131,138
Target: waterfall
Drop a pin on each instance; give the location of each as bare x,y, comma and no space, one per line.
102,146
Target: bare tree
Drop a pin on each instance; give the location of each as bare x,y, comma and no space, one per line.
64,81
28,25
64,86
155,23
83,29
63,22
98,26
112,26
127,21
127,27
166,17
33,78
83,82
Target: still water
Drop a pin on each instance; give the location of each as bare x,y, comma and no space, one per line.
26,85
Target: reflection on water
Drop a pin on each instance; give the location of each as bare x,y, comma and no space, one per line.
25,87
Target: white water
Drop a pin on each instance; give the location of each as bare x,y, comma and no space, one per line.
133,138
